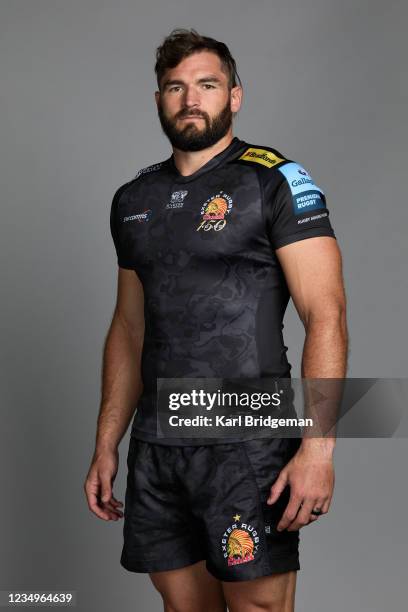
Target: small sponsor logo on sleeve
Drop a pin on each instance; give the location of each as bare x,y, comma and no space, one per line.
306,195
261,156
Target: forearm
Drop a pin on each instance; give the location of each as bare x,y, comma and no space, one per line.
324,357
121,384
325,347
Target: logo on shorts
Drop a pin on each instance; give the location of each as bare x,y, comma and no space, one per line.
214,212
177,199
239,542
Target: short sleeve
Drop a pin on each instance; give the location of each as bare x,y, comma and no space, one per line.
297,209
116,232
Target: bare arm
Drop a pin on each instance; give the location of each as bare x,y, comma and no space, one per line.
121,373
313,271
121,388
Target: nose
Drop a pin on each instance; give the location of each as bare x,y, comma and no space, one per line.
191,97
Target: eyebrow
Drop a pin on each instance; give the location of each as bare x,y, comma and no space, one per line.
208,79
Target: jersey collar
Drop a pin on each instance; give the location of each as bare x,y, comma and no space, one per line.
233,148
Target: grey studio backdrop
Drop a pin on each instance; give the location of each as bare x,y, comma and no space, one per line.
325,83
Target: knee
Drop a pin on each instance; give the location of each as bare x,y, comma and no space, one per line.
169,607
258,604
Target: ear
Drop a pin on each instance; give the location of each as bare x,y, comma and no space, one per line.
236,98
157,97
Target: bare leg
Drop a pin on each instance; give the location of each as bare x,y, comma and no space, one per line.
275,593
189,589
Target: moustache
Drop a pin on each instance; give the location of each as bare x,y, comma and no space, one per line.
185,116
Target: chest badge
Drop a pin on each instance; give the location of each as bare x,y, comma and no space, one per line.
214,212
177,199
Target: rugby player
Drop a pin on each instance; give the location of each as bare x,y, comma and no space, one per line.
211,244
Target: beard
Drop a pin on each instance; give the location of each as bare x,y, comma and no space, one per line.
191,137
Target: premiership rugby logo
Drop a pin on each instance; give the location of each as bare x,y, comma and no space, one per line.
214,212
239,542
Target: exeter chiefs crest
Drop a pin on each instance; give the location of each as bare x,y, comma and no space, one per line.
214,212
239,542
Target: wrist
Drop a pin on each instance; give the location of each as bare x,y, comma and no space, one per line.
322,447
104,446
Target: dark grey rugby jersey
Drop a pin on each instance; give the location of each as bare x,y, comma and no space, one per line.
204,247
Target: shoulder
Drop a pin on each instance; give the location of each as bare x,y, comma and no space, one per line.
149,169
261,156
139,177
273,166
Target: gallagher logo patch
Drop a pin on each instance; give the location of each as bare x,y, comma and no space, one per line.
214,212
239,542
305,194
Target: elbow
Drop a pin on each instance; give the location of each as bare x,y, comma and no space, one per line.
330,318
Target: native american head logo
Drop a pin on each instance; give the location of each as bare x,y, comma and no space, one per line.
239,542
214,212
216,209
240,545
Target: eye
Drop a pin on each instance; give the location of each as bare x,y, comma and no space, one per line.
208,86
174,87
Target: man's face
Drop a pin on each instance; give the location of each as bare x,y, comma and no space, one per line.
195,105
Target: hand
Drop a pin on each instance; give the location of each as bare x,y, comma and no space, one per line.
98,486
310,474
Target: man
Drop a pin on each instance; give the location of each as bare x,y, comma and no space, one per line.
211,244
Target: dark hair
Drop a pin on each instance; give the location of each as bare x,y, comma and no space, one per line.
181,43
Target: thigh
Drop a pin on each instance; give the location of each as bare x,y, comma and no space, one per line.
159,532
274,593
189,588
240,528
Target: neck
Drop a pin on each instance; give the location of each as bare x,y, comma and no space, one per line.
188,162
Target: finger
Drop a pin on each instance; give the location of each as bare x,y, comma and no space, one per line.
105,510
320,503
277,487
106,492
113,516
290,512
303,516
108,506
96,509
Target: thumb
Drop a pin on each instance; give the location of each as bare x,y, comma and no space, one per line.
106,490
277,487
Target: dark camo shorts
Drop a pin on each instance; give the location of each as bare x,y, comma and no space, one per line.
189,503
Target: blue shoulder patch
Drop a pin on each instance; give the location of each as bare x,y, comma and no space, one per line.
305,194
